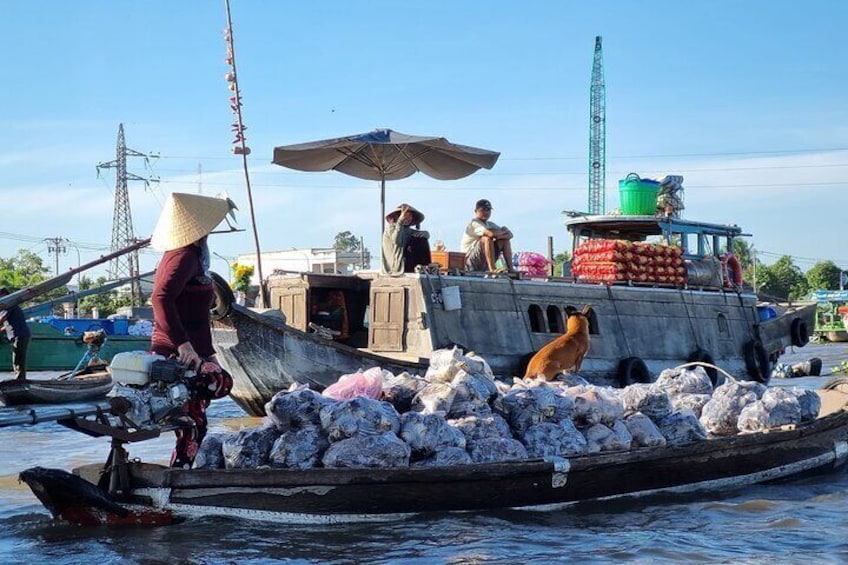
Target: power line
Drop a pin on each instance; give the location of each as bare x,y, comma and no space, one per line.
454,188
572,173
580,158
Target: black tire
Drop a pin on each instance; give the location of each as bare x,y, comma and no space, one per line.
703,356
757,361
224,298
800,333
633,370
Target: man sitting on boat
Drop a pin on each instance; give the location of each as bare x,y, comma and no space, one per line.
404,247
17,331
484,241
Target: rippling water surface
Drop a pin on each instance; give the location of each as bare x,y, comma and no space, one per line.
801,521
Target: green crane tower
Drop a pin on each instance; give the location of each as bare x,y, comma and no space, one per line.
597,134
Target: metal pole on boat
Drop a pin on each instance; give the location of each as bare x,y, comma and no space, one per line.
241,148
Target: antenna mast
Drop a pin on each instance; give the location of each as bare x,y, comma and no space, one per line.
597,134
122,225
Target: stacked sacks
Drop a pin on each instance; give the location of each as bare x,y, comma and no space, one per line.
616,260
779,407
534,264
363,433
457,414
296,413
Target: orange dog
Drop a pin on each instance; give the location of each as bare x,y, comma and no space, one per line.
565,352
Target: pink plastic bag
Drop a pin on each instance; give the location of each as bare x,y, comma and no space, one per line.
365,383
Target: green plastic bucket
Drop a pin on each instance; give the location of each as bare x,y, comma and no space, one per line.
638,197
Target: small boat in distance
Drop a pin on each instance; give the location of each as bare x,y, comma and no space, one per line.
91,383
639,325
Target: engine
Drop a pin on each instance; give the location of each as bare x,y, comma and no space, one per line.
153,389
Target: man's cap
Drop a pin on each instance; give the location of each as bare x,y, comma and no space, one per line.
483,203
187,218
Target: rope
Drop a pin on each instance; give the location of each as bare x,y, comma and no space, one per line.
618,317
710,365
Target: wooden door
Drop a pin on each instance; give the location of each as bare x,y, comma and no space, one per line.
292,303
387,319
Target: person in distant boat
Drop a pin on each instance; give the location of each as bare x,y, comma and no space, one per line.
404,247
13,321
484,241
183,294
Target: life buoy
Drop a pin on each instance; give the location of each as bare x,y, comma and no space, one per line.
703,356
799,332
731,270
757,361
224,298
633,370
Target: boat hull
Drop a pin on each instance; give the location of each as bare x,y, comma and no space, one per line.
90,384
50,350
361,494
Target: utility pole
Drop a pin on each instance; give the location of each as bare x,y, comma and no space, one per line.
597,134
56,245
122,225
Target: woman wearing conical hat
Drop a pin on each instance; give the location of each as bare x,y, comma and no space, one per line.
404,247
183,294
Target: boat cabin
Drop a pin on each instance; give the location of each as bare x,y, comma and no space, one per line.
696,239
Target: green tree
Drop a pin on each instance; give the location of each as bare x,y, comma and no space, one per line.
824,275
742,250
783,280
559,262
24,269
27,269
347,241
107,303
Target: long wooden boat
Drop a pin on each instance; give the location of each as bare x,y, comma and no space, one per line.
156,494
91,383
637,330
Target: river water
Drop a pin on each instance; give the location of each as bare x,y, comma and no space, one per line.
800,521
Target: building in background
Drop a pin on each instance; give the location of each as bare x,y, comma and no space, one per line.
310,260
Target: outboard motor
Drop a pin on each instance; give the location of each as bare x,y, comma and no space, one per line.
150,388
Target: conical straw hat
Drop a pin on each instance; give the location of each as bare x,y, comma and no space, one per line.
417,217
187,218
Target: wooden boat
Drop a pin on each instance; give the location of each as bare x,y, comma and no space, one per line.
56,343
156,494
91,383
396,322
830,322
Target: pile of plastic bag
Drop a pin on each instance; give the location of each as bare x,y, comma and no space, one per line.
141,327
457,413
534,264
617,260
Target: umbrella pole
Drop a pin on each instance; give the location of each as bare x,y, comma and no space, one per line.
382,204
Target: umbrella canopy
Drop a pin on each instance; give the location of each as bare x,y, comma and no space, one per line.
384,154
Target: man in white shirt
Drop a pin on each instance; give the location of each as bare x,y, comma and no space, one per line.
484,241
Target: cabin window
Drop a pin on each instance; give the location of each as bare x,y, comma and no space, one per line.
590,315
593,321
537,318
555,320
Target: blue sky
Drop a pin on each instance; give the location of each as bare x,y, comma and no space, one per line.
745,99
